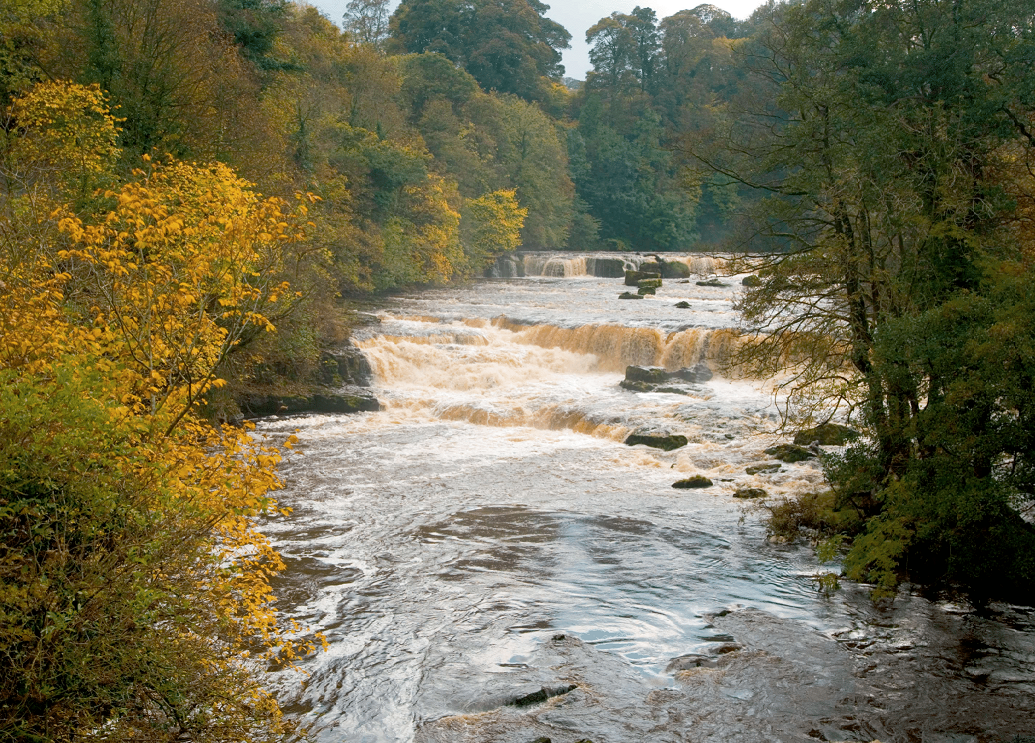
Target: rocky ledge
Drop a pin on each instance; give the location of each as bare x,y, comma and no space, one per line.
656,379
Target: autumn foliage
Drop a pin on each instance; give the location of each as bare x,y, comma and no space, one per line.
133,583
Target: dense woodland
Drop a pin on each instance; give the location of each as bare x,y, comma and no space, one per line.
188,188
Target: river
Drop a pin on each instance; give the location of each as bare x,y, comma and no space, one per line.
490,562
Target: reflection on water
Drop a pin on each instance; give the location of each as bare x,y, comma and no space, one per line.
444,544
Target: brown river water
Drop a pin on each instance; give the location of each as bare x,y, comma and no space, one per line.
490,563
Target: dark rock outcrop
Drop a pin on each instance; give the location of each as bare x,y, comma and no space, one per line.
826,434
347,365
657,440
630,295
789,453
711,282
697,481
648,378
326,401
538,697
683,305
605,268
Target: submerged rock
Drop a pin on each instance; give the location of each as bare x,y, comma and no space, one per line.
750,493
697,481
763,469
790,453
538,697
826,434
711,282
657,440
630,295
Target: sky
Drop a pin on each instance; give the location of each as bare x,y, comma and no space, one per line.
578,15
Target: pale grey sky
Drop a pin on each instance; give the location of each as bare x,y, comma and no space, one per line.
578,15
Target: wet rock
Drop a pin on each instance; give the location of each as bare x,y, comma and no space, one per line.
826,434
652,374
630,295
691,660
657,440
637,386
790,453
542,739
633,277
694,374
674,270
750,493
538,697
649,283
346,365
697,481
605,268
683,305
763,469
711,282
647,290
348,401
655,266
751,281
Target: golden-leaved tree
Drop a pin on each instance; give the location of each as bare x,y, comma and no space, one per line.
132,580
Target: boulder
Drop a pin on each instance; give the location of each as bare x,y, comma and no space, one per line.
697,481
632,277
605,268
826,434
655,266
789,453
653,374
630,295
657,440
625,384
711,282
763,469
683,305
750,281
649,283
750,493
644,290
674,270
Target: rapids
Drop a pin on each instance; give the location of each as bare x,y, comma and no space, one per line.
488,535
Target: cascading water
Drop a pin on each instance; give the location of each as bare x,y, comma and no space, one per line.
488,536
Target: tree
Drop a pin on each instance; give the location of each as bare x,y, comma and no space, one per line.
889,120
507,45
493,224
367,21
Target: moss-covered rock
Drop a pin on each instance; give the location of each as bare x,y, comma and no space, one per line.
750,493
633,277
324,401
763,469
630,295
711,282
826,434
683,305
697,481
751,281
647,290
789,453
